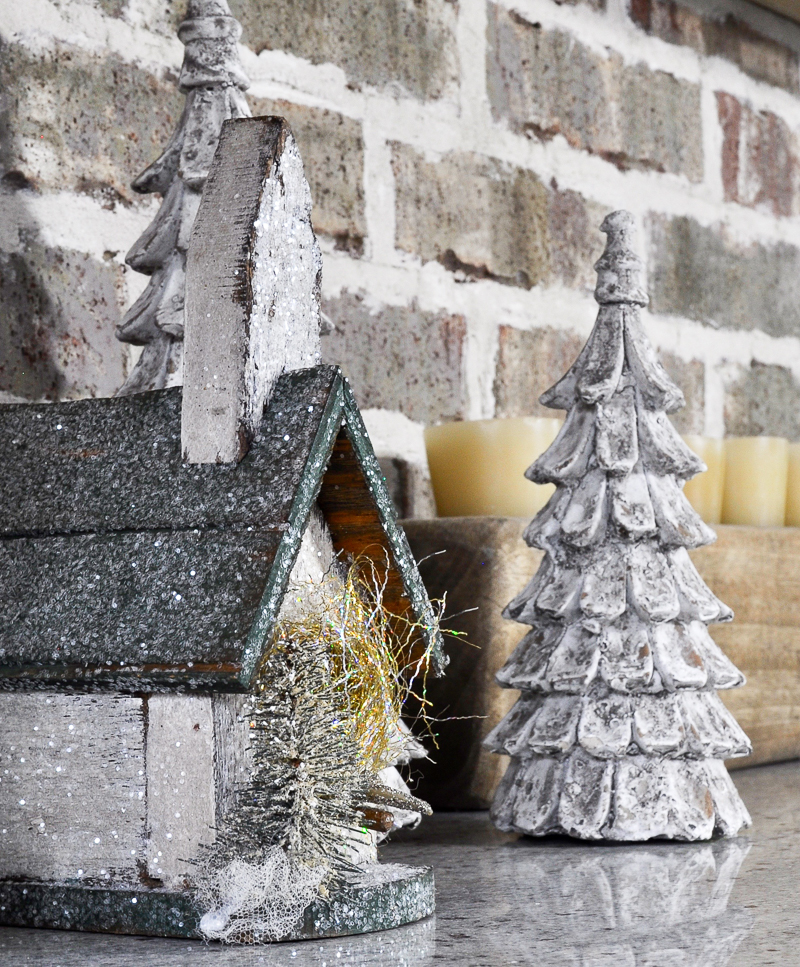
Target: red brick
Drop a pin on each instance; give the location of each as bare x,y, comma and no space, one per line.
722,36
760,158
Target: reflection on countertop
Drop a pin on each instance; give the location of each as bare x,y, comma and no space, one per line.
504,900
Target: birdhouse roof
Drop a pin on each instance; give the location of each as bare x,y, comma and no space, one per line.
123,568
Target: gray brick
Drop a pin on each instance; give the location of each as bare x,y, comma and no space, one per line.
484,218
528,363
763,401
698,272
102,119
399,358
381,43
691,377
574,238
332,149
472,213
720,35
545,83
57,338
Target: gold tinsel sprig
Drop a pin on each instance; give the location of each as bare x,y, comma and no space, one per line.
367,645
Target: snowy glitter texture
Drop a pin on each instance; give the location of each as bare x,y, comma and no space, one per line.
286,276
619,733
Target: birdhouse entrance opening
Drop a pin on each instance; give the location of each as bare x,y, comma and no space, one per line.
355,526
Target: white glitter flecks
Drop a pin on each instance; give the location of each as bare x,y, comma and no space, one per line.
287,269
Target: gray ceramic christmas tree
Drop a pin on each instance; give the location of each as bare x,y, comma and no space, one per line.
619,733
213,81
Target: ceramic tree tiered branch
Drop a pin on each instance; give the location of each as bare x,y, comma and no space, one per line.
619,733
213,81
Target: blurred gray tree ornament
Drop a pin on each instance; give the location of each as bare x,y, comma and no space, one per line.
213,81
619,733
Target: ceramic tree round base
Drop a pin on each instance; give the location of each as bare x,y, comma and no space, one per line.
380,897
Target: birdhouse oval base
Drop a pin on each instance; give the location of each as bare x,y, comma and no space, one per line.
384,896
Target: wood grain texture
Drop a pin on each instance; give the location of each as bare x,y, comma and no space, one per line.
252,288
72,788
232,760
219,298
754,570
484,563
181,784
757,571
364,521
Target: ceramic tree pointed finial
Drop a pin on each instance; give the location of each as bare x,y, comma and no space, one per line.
213,81
618,733
619,269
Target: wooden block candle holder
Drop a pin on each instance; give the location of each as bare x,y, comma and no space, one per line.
755,570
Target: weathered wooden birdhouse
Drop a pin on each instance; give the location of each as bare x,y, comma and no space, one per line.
147,544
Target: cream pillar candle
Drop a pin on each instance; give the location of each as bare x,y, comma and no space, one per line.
477,467
704,492
756,471
793,487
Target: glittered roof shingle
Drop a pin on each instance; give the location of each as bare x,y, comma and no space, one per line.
122,568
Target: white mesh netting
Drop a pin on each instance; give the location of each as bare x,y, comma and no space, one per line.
257,902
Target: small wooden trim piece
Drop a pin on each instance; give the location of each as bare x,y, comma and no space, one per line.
786,8
363,519
306,493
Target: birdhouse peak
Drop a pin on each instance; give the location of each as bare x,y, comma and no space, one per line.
252,288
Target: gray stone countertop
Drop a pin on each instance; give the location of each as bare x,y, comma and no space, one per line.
505,901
